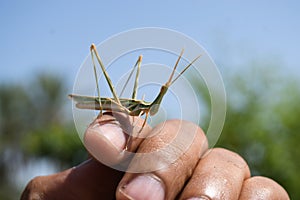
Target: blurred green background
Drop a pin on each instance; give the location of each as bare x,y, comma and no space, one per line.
262,125
255,45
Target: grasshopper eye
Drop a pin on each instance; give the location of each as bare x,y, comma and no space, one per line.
154,109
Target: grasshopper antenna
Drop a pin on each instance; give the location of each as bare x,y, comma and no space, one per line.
136,82
174,69
163,90
190,64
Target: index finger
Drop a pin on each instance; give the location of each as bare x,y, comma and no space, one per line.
163,162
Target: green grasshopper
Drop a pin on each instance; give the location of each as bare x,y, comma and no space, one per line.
129,106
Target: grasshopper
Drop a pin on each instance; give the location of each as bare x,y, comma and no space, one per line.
130,106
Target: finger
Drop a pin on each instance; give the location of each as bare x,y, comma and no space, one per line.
90,180
262,188
107,136
218,175
173,149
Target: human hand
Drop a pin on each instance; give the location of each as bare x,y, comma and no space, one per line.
199,172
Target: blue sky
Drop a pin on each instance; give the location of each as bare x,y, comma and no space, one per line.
55,36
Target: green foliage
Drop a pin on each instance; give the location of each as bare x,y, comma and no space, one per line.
58,142
33,125
262,123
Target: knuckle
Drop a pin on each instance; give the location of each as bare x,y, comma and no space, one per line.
230,157
33,190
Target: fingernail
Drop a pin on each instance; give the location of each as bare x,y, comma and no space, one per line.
144,187
113,133
199,198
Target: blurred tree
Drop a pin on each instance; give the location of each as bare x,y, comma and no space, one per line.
33,125
261,125
262,122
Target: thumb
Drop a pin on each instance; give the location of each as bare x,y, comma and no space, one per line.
107,137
